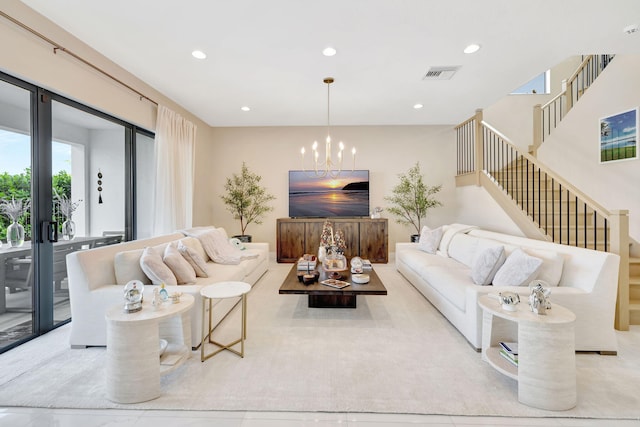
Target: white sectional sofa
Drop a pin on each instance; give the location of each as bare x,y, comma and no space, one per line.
95,284
587,282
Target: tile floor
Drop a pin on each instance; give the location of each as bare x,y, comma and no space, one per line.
42,417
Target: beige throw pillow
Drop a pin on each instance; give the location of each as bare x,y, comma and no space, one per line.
194,259
217,246
153,266
185,274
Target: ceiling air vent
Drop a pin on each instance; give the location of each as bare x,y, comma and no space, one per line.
440,73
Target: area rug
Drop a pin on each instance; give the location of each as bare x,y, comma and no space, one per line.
392,354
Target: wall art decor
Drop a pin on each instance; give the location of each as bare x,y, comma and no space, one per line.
619,136
99,187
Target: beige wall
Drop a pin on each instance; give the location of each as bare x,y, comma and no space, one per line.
614,184
272,151
513,114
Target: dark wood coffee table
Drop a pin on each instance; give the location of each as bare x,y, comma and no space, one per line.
323,296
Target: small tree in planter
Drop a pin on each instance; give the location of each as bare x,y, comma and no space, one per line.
246,199
412,198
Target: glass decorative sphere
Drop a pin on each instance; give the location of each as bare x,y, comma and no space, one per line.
356,264
133,293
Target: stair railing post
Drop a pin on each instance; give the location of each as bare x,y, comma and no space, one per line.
537,130
568,96
478,143
619,229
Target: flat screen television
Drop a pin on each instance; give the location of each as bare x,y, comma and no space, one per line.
313,197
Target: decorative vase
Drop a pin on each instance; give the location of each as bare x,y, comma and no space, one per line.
15,235
68,230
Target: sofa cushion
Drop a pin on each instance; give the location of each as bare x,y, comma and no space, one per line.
153,266
193,257
463,248
430,239
552,264
451,283
185,274
518,270
486,265
127,267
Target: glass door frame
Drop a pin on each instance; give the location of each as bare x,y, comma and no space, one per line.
41,139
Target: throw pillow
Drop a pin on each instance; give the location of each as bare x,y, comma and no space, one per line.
430,239
217,246
153,266
552,264
127,267
487,264
194,259
518,270
185,274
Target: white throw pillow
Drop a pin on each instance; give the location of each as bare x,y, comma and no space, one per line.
194,259
518,270
487,264
217,246
552,263
126,265
430,239
185,274
153,266
194,244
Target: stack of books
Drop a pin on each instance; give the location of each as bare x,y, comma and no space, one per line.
307,262
366,265
509,350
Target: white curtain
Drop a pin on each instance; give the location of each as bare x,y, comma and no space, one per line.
174,158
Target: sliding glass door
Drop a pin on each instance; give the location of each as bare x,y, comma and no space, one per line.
16,251
68,183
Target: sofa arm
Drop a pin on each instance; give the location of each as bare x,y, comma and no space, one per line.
257,245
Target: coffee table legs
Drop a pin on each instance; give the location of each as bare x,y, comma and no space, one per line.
207,331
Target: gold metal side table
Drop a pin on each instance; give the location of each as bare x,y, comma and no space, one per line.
222,290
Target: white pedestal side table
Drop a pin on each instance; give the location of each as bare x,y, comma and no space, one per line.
546,371
134,363
222,290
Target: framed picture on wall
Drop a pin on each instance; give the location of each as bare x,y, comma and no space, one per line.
619,136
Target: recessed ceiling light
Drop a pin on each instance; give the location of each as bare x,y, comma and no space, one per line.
472,48
198,54
329,51
245,108
630,29
418,106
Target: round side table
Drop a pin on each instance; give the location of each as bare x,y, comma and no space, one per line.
134,363
222,290
546,371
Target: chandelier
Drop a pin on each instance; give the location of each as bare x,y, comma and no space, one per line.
327,167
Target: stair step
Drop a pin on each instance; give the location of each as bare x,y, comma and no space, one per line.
634,281
634,260
634,305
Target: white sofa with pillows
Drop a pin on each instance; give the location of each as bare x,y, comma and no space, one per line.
455,264
184,261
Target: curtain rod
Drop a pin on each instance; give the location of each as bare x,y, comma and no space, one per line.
57,47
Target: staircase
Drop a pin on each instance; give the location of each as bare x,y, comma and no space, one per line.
634,291
541,203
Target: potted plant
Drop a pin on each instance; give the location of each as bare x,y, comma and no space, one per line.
246,199
412,198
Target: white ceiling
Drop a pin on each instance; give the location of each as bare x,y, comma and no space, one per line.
267,54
